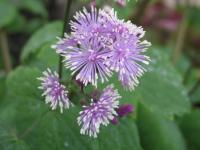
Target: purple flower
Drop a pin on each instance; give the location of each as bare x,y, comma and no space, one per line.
54,92
126,59
86,25
87,62
125,109
96,24
100,112
121,3
63,43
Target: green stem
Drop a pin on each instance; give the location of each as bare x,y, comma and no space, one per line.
194,88
181,37
5,51
65,29
140,10
187,74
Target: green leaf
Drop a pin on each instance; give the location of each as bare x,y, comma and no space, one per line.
36,7
18,24
9,141
158,133
29,121
44,35
33,25
190,126
7,14
126,130
46,58
161,88
23,83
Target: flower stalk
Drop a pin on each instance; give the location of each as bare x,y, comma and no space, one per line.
181,37
5,51
194,88
65,29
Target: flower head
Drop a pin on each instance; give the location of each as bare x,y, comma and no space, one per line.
86,24
96,24
87,62
54,92
100,112
126,59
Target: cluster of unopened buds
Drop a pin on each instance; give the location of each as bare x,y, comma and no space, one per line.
98,46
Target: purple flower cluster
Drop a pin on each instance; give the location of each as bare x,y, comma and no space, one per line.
100,112
101,44
54,92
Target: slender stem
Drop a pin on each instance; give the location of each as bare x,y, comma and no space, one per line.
181,37
140,10
65,29
5,51
194,88
196,105
187,74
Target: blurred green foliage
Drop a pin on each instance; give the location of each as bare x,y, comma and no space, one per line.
158,133
45,35
7,15
190,126
14,21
